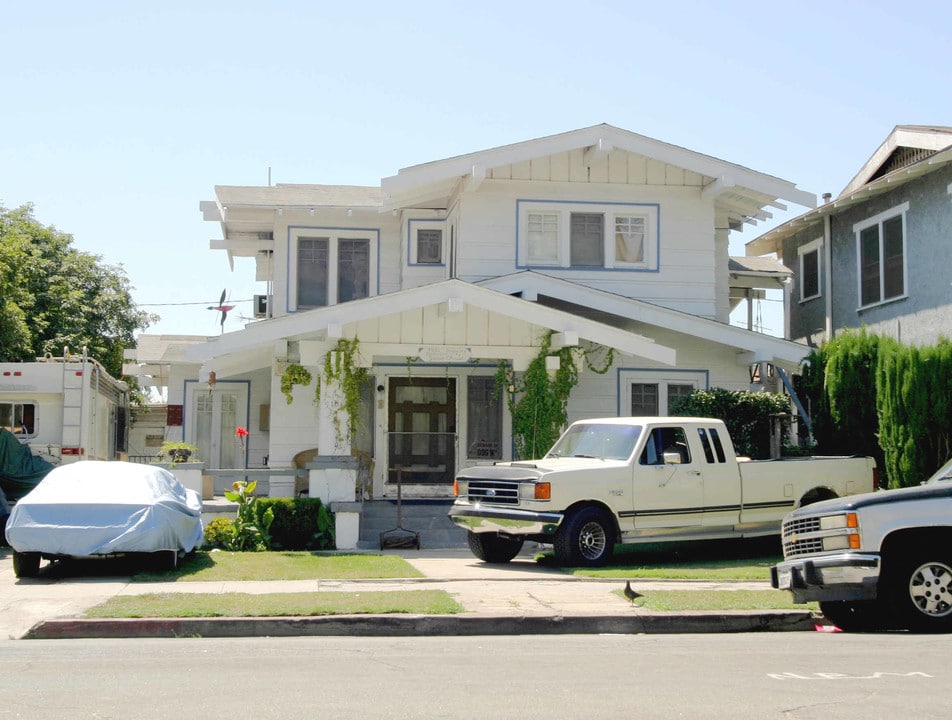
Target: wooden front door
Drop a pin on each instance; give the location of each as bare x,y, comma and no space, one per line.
422,425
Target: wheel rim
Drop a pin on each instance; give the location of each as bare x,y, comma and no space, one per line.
930,589
592,540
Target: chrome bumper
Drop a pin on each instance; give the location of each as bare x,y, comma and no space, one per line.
508,521
847,576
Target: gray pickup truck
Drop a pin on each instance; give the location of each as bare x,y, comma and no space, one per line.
875,561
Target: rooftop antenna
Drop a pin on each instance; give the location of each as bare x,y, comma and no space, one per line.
269,176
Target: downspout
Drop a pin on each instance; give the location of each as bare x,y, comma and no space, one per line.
828,274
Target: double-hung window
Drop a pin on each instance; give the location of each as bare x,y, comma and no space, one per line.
585,235
653,392
809,256
881,256
332,266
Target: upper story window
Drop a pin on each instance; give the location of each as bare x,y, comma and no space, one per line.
425,242
331,266
613,236
429,246
19,418
809,256
881,256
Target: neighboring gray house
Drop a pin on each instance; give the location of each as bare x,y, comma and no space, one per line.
880,254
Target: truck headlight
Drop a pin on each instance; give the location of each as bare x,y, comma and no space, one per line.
838,522
535,491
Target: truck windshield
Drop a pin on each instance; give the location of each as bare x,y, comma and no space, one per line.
608,442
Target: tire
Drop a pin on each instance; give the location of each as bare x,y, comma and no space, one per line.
491,548
26,565
858,616
919,592
586,538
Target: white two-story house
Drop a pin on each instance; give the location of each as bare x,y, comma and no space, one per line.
596,238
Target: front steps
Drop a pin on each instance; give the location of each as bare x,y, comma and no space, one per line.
426,517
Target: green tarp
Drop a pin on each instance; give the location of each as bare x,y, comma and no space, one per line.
20,470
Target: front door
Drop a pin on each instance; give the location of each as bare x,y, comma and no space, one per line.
422,430
215,416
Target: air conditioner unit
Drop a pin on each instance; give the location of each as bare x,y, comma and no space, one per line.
261,305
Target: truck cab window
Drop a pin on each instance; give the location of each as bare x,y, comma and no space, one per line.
665,440
706,444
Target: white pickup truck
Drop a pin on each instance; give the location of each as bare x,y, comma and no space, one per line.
638,480
876,561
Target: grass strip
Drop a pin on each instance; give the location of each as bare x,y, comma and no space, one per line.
220,565
192,605
688,600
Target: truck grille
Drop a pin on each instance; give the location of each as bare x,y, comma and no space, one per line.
497,492
794,542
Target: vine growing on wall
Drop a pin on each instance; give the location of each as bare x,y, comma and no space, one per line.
341,366
537,399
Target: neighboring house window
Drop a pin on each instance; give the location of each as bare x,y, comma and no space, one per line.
429,246
312,262
881,252
483,419
810,270
543,238
587,240
587,235
630,238
652,392
19,418
353,270
335,266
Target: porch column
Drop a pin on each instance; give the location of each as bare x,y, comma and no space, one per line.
332,476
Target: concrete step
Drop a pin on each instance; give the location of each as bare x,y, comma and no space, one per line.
426,517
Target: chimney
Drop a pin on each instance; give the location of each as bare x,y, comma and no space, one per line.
827,197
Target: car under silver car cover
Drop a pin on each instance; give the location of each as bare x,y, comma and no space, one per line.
100,508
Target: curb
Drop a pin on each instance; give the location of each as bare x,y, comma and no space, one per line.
416,625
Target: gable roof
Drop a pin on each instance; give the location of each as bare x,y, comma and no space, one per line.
905,145
909,152
754,346
255,342
741,194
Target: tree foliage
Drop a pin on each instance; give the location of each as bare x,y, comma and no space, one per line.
746,415
54,296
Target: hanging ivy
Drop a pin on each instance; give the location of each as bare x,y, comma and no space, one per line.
539,414
294,374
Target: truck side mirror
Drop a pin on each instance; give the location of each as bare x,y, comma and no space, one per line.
672,458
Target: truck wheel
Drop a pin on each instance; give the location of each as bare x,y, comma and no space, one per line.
26,565
491,548
858,616
586,537
920,593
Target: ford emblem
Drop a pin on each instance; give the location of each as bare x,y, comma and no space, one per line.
490,493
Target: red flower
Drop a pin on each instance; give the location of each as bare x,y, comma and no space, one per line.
241,433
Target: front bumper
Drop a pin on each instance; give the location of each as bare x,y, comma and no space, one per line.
508,521
846,576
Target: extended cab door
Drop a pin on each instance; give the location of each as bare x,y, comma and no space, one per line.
722,485
668,494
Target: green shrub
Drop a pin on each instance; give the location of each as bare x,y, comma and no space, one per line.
219,532
299,523
746,415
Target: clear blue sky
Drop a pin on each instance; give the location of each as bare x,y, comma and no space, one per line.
119,117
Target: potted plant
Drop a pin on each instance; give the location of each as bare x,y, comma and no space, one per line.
178,451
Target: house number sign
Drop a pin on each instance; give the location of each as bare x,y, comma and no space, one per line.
444,354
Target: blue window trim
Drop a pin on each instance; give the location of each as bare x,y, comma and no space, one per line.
410,223
287,281
667,371
657,239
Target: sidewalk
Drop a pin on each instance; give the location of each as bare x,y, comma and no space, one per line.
517,598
